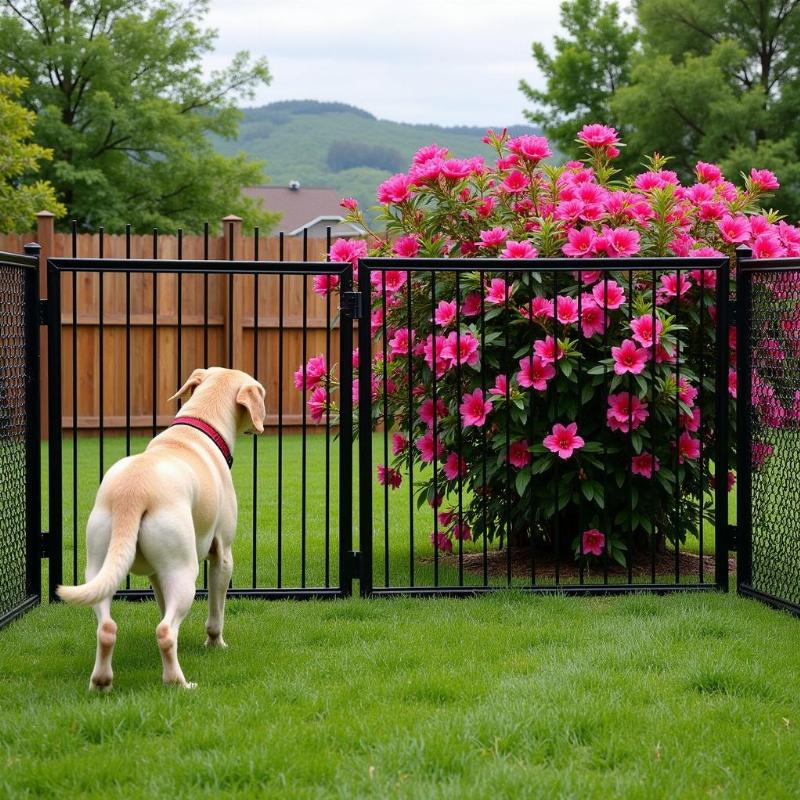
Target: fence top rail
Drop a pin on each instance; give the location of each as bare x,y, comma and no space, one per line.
648,263
198,266
770,264
18,260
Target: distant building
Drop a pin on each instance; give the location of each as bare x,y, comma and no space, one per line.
314,209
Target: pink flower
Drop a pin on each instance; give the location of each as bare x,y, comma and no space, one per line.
732,381
395,190
426,411
621,242
486,206
760,453
566,310
688,448
442,542
763,180
474,409
500,386
392,279
628,358
645,464
625,409
532,148
515,182
674,284
534,373
399,344
350,250
406,246
519,250
518,454
399,444
471,306
593,542
498,291
428,452
564,440
432,352
593,318
324,284
318,403
546,350
460,349
580,242
462,530
686,392
315,370
734,229
455,169
642,328
608,294
445,313
705,278
494,237
454,466
427,153
597,135
767,245
350,203
538,307
707,173
389,476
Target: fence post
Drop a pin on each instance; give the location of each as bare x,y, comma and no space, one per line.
45,238
744,464
232,251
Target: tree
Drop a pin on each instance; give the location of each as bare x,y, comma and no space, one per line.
717,80
584,74
21,197
123,104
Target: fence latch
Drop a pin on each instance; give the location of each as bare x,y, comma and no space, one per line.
44,544
351,305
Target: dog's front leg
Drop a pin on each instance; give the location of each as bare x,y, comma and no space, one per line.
220,569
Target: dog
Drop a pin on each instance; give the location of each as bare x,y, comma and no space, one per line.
161,512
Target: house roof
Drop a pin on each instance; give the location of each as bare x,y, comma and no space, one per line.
300,208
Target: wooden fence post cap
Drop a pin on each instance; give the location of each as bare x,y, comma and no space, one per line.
231,218
44,214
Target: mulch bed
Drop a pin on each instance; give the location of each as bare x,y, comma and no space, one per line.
497,564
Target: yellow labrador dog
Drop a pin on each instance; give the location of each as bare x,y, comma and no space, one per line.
160,512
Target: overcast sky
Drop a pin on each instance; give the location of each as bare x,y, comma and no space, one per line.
450,62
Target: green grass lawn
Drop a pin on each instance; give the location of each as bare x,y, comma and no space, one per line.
264,504
506,696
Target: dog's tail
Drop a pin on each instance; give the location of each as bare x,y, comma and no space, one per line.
125,521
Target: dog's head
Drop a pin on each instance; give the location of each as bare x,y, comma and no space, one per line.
217,386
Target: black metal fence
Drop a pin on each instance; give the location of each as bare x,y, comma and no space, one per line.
768,501
20,556
294,485
451,485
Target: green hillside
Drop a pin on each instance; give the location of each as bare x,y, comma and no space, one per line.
333,144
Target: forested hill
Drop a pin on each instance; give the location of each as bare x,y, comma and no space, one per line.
334,144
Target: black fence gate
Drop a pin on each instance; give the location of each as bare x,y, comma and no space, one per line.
20,521
768,366
294,487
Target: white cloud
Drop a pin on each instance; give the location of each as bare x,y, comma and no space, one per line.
449,62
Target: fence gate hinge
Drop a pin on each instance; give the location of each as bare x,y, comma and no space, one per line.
44,311
351,305
44,544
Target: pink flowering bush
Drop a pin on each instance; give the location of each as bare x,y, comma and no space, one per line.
571,395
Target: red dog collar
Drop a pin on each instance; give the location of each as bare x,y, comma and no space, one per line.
212,434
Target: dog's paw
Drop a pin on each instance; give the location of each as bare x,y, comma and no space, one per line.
216,641
102,685
189,685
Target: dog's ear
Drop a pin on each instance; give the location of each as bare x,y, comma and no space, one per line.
195,379
251,396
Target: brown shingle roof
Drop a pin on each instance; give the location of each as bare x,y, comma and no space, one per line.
298,206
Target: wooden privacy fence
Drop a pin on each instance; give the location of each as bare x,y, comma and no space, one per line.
199,320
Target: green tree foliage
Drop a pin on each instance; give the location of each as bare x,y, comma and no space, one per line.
717,80
587,68
21,196
123,104
349,154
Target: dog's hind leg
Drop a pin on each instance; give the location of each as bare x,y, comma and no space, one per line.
178,587
220,569
102,674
